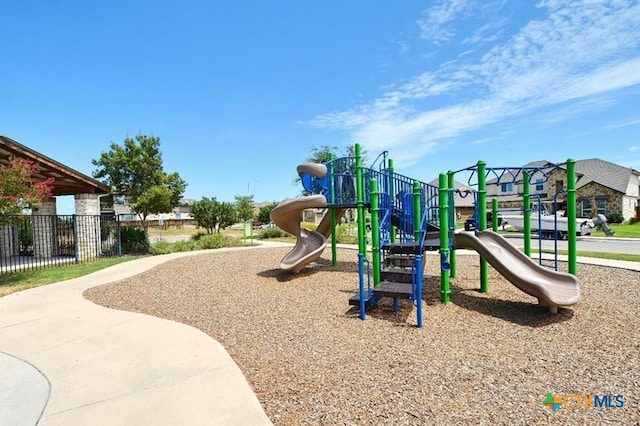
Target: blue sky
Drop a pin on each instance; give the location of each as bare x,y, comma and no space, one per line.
240,92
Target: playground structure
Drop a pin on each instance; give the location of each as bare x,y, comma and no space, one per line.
409,218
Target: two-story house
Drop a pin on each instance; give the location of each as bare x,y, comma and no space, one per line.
601,187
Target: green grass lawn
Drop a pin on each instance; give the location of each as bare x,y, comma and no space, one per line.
598,255
28,279
623,230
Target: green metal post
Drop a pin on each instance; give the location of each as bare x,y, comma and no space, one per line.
375,230
332,212
443,203
526,204
451,186
572,205
362,243
482,221
494,214
417,213
392,195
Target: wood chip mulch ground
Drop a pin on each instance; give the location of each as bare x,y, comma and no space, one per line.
482,359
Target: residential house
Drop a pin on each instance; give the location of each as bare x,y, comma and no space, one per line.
123,211
464,199
601,187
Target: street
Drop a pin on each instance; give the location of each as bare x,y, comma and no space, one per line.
596,244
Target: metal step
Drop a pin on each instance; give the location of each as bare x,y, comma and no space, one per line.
399,260
401,275
401,248
393,289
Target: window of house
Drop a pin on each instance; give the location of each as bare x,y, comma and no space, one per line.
586,207
539,184
506,187
601,206
559,186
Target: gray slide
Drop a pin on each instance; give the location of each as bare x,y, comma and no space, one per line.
309,244
286,215
551,288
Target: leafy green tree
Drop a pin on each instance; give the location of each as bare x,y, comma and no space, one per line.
136,171
212,214
18,188
244,207
206,213
264,214
323,154
227,215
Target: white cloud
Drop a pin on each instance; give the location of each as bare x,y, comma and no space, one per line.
579,52
487,33
634,148
621,124
434,26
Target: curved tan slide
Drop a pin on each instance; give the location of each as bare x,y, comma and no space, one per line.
551,288
309,244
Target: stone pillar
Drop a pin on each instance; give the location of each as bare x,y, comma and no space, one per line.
44,229
87,226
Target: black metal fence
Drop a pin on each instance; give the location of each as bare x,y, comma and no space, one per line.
39,241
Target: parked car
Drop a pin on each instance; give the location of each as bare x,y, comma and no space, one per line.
472,221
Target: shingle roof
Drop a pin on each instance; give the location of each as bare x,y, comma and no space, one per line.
604,173
594,170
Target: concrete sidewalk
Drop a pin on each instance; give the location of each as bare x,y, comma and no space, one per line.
66,361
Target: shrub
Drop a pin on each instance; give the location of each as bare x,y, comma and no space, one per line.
344,235
161,247
615,217
215,241
187,245
133,240
271,233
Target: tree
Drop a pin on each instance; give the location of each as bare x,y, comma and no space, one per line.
212,214
264,214
323,154
136,171
227,215
244,207
19,190
205,213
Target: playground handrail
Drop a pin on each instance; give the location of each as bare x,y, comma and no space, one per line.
514,172
383,163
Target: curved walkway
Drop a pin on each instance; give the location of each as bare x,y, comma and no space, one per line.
67,361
